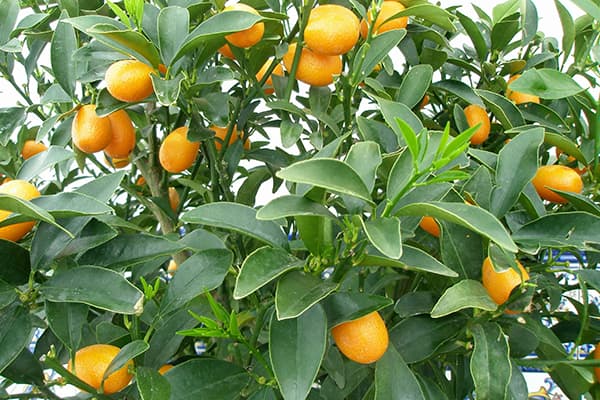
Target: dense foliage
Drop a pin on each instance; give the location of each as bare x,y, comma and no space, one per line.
249,308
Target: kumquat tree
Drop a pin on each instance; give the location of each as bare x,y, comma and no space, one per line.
283,199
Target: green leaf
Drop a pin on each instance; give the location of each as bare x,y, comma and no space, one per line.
20,268
25,208
328,173
9,12
504,9
580,202
465,294
476,36
529,22
93,234
392,111
296,349
316,233
25,369
400,175
462,251
589,7
460,90
291,205
97,287
410,138
413,259
127,352
261,267
385,234
206,379
290,132
62,47
216,27
570,229
116,36
365,158
173,25
371,54
39,163
471,217
71,204
415,85
394,380
415,303
517,165
127,250
490,363
10,119
239,218
504,31
566,145
297,291
418,338
430,13
505,110
151,385
67,321
167,90
15,334
568,27
200,273
546,83
8,294
347,306
517,388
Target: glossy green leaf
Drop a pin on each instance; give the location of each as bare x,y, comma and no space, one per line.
127,250
378,132
97,287
239,218
291,205
20,268
507,113
172,27
15,334
71,204
94,234
504,31
517,388
570,229
347,306
471,217
462,251
8,294
216,27
316,233
328,173
62,47
544,116
529,21
26,209
415,303
39,163
546,83
394,380
418,338
504,9
465,294
415,84
66,321
568,27
296,348
517,165
127,353
167,91
207,379
261,267
10,119
199,274
374,53
413,259
475,35
151,385
392,110
9,11
460,90
580,202
290,132
566,145
400,175
431,13
589,7
385,234
365,158
490,363
298,291
25,369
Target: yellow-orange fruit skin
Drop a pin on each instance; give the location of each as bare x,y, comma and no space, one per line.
331,30
519,97
363,340
90,133
31,148
225,51
248,37
123,135
24,190
129,80
268,86
162,370
476,115
499,285
313,69
177,153
430,225
558,177
173,198
388,9
221,133
92,361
